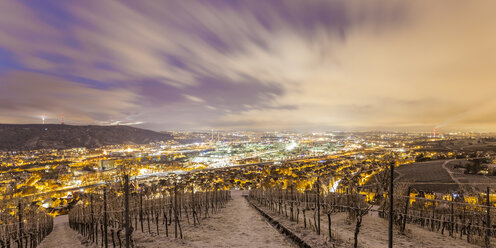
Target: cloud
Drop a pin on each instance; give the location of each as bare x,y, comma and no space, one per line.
437,65
251,64
113,123
26,96
194,98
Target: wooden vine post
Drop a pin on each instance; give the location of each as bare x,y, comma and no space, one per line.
126,211
105,220
19,206
488,221
318,206
391,205
407,204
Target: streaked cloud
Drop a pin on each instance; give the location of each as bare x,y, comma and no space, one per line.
194,98
402,65
26,96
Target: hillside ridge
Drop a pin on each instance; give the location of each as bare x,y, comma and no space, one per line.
62,136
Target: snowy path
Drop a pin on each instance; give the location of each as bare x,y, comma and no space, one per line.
450,172
237,225
62,235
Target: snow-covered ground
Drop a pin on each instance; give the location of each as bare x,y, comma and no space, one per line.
373,233
239,225
62,235
236,225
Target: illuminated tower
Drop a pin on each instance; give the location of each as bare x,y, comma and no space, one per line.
434,133
43,117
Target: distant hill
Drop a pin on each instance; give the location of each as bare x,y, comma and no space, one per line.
61,136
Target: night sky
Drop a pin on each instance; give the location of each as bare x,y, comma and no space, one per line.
265,65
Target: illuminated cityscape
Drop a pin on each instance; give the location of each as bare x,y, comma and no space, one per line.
217,123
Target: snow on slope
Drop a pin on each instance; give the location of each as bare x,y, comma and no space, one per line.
62,235
373,233
237,225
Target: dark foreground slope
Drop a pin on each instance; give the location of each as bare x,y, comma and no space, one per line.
56,136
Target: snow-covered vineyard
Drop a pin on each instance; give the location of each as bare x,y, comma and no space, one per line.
238,224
